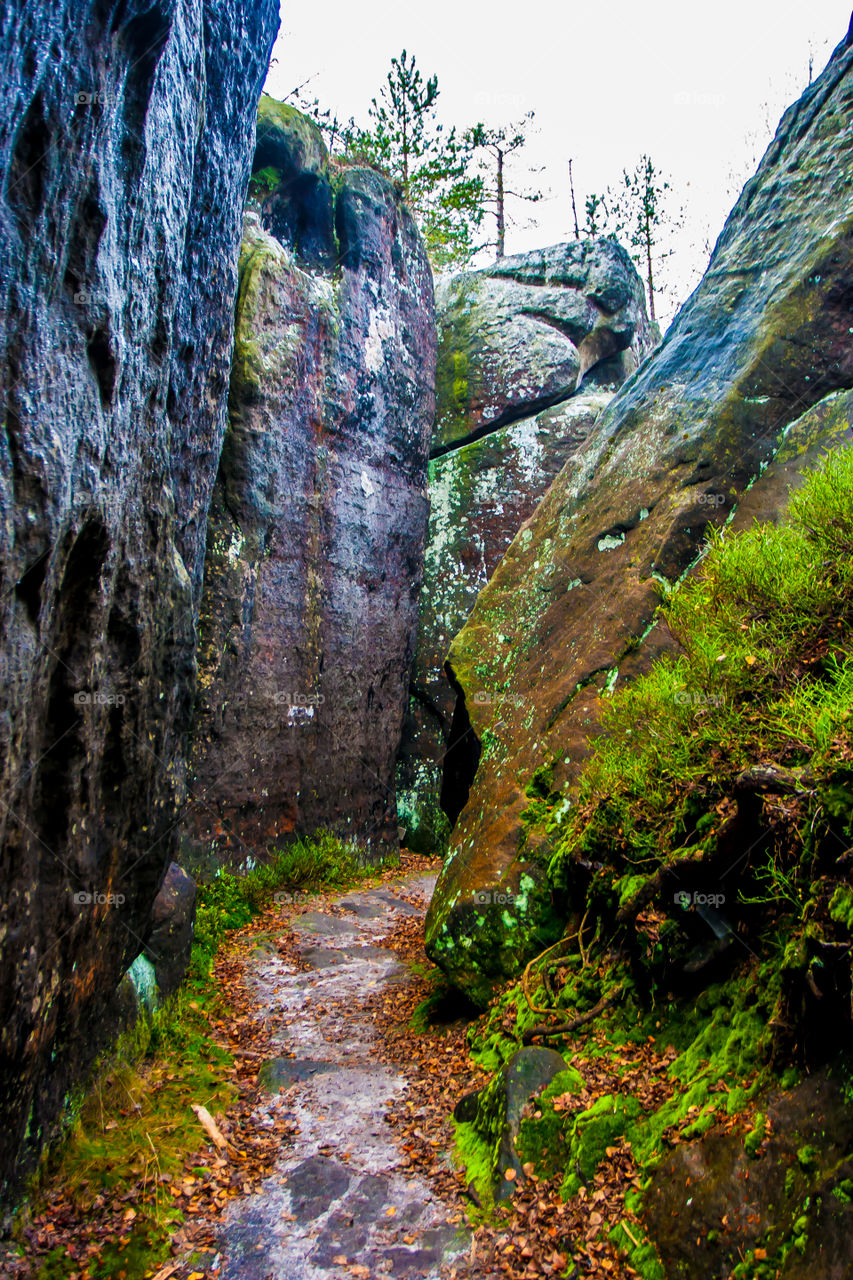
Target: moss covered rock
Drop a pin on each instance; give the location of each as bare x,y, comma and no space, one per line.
778,1207
318,518
291,184
498,1115
513,338
747,385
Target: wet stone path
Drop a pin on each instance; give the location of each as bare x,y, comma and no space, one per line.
340,1203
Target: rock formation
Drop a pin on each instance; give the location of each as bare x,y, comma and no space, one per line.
169,944
127,134
693,440
317,527
530,352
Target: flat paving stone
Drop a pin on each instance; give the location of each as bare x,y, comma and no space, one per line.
280,1073
363,908
318,922
327,1198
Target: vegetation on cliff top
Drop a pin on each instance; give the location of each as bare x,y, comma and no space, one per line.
452,180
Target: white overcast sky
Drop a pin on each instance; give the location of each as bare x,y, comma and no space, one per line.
699,87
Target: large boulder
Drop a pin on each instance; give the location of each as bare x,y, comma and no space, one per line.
125,144
519,335
559,327
318,521
170,941
713,427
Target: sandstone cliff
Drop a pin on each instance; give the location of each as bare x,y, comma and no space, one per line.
316,536
692,441
127,133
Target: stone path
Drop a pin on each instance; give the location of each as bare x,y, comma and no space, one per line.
340,1203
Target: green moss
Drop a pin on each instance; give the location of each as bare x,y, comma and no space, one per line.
262,182
807,1158
753,1140
301,132
475,1155
841,907
609,1119
642,1256
422,1017
135,1122
453,391
542,1137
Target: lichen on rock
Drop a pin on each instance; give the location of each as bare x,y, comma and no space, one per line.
318,519
702,435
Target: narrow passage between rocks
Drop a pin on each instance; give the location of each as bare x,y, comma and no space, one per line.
346,1197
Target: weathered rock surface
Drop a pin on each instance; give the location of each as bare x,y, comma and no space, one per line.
789,1195
702,432
125,143
318,521
498,1110
170,941
512,338
519,335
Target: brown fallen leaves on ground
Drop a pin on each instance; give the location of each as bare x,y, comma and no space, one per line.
537,1234
89,1225
534,1235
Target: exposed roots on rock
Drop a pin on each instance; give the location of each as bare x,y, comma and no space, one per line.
566,1028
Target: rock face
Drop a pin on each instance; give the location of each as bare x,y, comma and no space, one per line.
794,1186
512,339
318,521
127,131
701,434
498,1110
169,944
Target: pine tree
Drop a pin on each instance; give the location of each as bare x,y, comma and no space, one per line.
500,144
640,212
432,165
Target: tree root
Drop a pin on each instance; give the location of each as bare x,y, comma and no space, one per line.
566,1028
525,977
